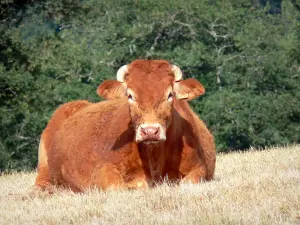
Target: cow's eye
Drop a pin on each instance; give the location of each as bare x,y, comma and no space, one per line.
130,98
170,96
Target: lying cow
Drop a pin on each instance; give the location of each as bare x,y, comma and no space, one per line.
145,132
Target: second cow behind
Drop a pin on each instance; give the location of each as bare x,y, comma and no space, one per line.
144,133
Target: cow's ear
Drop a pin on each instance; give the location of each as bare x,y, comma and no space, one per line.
188,89
111,89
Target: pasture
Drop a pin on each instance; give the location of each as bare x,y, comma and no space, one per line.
253,187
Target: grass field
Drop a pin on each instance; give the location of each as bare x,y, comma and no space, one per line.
254,187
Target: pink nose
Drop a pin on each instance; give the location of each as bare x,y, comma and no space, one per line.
150,133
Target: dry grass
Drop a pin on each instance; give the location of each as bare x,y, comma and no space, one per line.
255,187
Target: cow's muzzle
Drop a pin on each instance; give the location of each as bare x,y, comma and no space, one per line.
150,133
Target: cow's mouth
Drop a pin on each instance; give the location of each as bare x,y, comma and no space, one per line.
150,140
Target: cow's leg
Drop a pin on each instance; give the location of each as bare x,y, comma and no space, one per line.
107,176
195,175
43,181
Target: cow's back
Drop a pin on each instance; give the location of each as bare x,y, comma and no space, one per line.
59,117
98,134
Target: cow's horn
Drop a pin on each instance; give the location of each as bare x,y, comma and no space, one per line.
177,73
121,73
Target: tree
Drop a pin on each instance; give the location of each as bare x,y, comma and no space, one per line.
52,52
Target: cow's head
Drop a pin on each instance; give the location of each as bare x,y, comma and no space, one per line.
151,87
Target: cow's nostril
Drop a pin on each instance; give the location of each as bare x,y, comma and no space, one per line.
143,131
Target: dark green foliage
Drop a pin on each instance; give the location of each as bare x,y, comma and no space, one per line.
247,57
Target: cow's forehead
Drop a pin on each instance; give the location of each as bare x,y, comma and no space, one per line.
149,73
150,65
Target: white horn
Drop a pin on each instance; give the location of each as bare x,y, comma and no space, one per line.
121,73
177,73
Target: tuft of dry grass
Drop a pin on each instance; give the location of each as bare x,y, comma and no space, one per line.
253,187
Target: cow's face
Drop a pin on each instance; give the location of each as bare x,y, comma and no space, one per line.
151,87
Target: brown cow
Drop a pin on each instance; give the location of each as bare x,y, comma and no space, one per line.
144,133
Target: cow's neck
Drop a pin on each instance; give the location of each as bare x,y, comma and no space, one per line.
154,157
